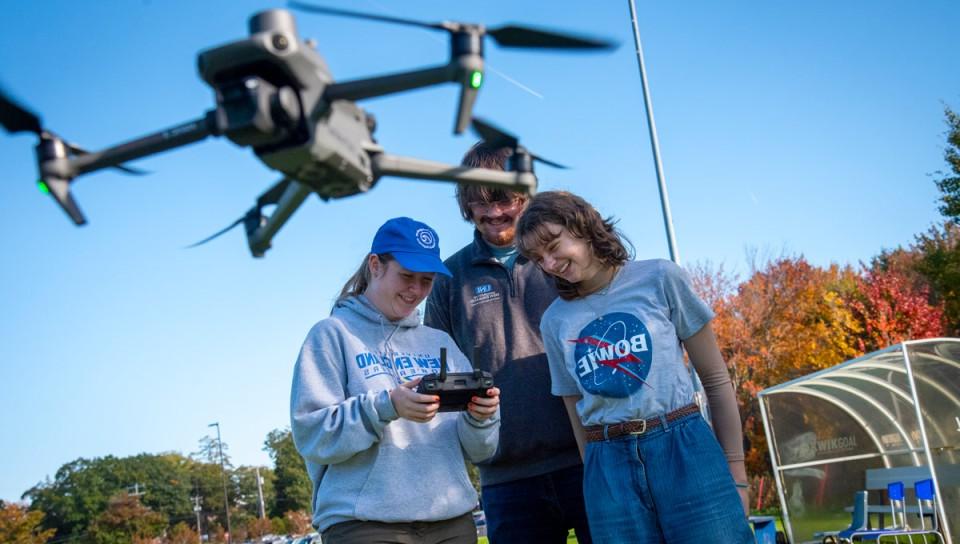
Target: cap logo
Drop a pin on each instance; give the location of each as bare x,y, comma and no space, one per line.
426,238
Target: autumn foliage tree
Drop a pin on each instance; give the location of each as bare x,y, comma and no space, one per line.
790,318
256,528
890,309
787,319
298,522
181,533
127,521
21,526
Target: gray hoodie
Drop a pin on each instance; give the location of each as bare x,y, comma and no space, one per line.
365,462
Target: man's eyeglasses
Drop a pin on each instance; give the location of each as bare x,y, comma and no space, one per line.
502,204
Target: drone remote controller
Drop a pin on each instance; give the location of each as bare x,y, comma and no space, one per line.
455,389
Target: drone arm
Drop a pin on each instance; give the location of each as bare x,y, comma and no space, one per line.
405,167
468,95
180,135
378,86
262,231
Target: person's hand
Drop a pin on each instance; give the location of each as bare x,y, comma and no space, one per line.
483,408
412,405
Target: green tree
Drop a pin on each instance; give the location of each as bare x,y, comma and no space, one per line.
247,498
939,264
209,452
81,489
21,526
78,493
206,483
474,474
292,486
949,184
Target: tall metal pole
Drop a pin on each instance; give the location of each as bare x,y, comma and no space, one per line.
263,510
196,508
654,142
223,478
699,394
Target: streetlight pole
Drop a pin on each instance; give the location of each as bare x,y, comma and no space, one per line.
223,478
662,183
654,141
196,508
263,512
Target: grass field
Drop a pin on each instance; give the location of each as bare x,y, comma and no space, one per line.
570,538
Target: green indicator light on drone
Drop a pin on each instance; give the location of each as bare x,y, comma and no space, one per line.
42,185
476,79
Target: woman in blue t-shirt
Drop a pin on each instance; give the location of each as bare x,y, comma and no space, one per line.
654,471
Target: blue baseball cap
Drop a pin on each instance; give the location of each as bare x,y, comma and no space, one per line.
413,244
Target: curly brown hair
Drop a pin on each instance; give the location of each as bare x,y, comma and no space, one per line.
482,155
581,220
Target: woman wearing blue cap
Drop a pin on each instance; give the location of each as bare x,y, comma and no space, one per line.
385,465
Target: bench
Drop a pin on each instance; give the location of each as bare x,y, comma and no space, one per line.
877,479
880,478
876,482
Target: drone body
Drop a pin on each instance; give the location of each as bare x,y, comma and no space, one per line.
276,95
270,95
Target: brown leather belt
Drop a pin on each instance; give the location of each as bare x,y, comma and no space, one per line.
637,426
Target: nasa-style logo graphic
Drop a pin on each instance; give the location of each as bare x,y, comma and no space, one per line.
426,238
613,355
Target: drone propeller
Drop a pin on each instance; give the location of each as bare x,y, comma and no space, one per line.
302,6
524,36
507,36
16,118
494,136
466,50
251,219
220,232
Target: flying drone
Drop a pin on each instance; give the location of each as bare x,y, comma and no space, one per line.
275,94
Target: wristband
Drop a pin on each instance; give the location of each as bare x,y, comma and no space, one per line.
742,485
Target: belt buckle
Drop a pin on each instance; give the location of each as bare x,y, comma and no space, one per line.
643,428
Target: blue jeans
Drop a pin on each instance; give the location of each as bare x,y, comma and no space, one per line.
670,484
541,509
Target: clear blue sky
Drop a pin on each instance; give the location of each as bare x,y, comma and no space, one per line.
808,128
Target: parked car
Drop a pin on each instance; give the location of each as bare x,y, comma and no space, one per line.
480,520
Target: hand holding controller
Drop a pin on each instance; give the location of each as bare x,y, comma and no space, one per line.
455,389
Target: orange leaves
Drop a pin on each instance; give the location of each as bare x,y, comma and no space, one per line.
892,309
126,517
18,525
790,318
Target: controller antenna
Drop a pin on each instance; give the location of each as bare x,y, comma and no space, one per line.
443,364
473,364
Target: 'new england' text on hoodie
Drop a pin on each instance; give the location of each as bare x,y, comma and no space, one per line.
364,461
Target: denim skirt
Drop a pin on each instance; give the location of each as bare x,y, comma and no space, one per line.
671,484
